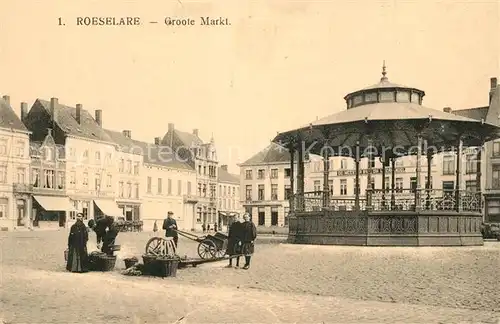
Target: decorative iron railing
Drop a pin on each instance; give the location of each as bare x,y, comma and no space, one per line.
387,200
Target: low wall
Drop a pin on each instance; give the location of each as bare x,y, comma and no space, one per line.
435,228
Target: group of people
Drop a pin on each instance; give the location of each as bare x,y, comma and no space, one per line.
106,232
241,236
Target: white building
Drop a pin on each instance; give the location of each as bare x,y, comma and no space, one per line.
14,168
229,195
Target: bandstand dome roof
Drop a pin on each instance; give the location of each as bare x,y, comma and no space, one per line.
391,115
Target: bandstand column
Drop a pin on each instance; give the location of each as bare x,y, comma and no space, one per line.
384,163
428,185
292,199
326,172
300,178
356,179
458,184
369,177
418,188
478,168
393,183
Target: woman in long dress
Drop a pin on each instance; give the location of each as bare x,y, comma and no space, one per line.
77,247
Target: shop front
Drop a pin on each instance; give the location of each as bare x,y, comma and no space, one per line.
107,207
49,212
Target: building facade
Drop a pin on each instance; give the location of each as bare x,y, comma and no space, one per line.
228,196
202,157
265,185
14,169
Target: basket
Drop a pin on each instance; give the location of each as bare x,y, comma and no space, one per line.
167,267
130,262
150,264
100,262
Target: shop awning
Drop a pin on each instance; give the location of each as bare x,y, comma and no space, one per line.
55,203
109,207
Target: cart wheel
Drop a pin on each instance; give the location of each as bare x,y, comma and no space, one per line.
156,246
220,253
206,249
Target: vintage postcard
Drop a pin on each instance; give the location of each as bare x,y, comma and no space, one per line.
218,161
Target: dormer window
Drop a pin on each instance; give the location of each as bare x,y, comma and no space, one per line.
48,153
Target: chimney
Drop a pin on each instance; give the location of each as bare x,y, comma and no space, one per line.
493,86
24,110
127,133
98,117
53,111
157,140
447,109
224,167
170,127
195,132
7,99
78,116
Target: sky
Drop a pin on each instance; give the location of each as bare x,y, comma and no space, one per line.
278,66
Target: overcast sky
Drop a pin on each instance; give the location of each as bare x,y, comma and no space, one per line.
278,66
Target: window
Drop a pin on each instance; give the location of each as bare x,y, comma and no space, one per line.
61,180
403,96
224,191
72,179
129,167
204,190
48,179
288,192
260,192
19,148
234,192
330,187
274,192
262,216
470,185
371,97
317,186
471,164
274,173
3,146
343,164
189,187
343,187
399,185
160,186
496,148
121,165
387,96
248,192
86,155
97,182
372,183
399,163
448,185
428,184
204,170
98,156
199,189
248,174
35,177
136,168
448,164
4,207
179,187
261,174
109,180
21,175
49,154
108,158
85,209
85,179
387,183
129,190
199,169
120,189
169,186
288,172
495,183
413,184
493,211
415,97
274,216
148,184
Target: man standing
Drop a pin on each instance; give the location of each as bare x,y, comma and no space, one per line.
234,242
248,236
170,227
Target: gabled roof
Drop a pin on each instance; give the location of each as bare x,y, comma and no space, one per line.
37,148
9,119
226,177
124,143
273,153
180,138
66,120
161,155
474,113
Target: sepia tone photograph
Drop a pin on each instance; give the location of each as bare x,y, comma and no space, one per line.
218,161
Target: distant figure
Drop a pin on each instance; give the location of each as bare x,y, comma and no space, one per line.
204,227
155,227
248,236
215,227
208,228
170,226
77,246
234,241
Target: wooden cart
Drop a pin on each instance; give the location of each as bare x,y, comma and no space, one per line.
210,246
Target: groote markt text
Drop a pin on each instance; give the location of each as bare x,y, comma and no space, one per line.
136,21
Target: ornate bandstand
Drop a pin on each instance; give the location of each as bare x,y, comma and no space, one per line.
387,121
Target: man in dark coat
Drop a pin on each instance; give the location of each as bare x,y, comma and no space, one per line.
234,241
77,247
248,236
106,232
170,227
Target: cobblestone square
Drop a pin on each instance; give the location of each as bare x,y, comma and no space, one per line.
286,284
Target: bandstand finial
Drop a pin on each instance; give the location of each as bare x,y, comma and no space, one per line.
384,72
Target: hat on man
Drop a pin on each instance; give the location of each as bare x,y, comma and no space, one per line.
170,212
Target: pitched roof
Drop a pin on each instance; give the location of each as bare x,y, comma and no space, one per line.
124,143
161,155
474,113
226,177
9,119
273,153
181,138
66,120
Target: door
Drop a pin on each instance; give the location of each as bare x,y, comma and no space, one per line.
62,219
21,214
